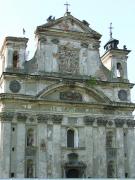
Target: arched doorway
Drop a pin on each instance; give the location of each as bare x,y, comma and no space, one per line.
72,173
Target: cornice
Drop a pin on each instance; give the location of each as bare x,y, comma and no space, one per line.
100,105
61,77
72,35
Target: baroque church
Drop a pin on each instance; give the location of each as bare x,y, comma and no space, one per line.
67,112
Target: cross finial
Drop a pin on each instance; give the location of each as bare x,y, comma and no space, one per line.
67,6
110,30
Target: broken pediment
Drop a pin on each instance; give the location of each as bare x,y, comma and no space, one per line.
68,23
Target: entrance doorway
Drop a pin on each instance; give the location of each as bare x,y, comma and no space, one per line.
72,173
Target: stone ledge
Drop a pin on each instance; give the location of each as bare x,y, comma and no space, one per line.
63,77
72,149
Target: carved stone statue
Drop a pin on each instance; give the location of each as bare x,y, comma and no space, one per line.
30,169
30,138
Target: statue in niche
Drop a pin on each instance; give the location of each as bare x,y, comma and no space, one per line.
30,137
110,169
30,169
42,145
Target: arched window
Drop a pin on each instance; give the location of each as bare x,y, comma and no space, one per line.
30,137
15,59
109,139
119,70
30,169
111,169
72,137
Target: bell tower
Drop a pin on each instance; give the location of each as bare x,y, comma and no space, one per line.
115,59
13,53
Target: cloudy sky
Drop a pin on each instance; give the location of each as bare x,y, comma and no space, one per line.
18,14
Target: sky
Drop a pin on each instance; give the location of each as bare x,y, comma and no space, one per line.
18,14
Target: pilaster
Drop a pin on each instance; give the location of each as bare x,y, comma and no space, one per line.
131,152
5,149
120,153
89,150
102,151
20,150
42,151
57,172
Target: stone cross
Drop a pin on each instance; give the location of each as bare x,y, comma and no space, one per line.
110,30
67,6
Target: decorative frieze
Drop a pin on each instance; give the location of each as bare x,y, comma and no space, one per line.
43,118
131,123
110,123
6,116
21,117
89,120
119,122
57,119
101,121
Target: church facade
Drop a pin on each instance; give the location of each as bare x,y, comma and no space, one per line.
67,112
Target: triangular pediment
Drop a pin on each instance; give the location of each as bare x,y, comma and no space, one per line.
70,24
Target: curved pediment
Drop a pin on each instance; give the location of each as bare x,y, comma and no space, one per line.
76,93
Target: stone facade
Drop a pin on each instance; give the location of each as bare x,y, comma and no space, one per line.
66,113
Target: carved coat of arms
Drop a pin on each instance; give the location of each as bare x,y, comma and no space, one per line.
68,60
